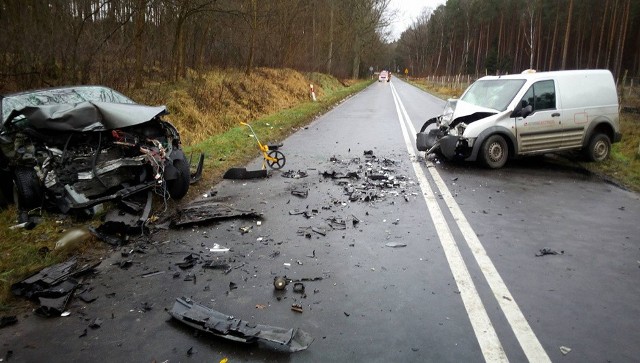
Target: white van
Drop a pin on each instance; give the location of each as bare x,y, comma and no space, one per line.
499,117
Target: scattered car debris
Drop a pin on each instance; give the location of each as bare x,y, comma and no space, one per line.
565,350
205,211
297,308
395,244
96,323
548,251
243,174
211,321
189,261
293,174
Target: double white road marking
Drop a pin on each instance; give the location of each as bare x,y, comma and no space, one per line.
483,328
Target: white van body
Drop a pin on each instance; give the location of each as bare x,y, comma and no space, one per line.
499,117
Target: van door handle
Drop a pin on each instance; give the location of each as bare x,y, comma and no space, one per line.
556,114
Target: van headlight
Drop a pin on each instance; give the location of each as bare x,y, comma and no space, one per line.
447,116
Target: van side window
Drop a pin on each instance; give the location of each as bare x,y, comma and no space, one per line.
541,96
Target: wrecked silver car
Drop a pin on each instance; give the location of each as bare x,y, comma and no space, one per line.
72,148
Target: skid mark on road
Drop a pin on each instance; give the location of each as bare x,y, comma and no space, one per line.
524,334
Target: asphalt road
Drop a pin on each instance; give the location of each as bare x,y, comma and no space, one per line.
466,287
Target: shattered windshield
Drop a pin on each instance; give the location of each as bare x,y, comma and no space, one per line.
495,93
69,95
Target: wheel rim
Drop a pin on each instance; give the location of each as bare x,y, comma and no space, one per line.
280,160
495,151
600,150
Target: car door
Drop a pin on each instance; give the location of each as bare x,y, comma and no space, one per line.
541,130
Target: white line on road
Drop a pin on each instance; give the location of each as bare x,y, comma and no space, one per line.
521,328
485,333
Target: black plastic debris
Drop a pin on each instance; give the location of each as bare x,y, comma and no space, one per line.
87,296
216,265
300,190
340,174
96,323
205,211
548,251
211,321
298,287
53,286
232,286
188,262
243,173
8,320
54,300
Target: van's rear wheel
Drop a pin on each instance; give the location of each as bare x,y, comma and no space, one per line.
599,147
494,152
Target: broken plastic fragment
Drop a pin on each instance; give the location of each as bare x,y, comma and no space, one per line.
395,244
217,248
297,308
548,251
211,321
565,350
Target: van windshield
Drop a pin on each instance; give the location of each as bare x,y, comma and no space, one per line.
493,93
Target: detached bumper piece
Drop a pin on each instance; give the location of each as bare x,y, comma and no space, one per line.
210,321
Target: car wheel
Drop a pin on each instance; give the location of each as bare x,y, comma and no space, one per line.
28,192
599,147
494,152
179,186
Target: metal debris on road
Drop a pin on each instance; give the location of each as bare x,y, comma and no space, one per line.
300,190
297,308
214,322
217,248
294,174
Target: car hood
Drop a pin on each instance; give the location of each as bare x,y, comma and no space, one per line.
462,108
86,116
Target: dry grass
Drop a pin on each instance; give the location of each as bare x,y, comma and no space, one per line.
214,102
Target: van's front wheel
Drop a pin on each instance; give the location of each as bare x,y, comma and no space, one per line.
599,147
494,152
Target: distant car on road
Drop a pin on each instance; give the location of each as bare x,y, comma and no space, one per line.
383,76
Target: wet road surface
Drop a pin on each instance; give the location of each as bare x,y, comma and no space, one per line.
466,287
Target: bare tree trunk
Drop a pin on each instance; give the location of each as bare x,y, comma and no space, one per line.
553,42
621,39
252,38
612,31
330,55
567,32
139,21
604,21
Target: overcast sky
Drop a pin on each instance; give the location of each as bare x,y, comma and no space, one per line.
408,11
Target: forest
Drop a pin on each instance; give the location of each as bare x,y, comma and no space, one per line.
479,37
124,43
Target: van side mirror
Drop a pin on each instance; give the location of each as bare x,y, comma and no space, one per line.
522,111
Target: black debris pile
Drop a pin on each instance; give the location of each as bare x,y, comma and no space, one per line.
204,211
214,322
53,286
